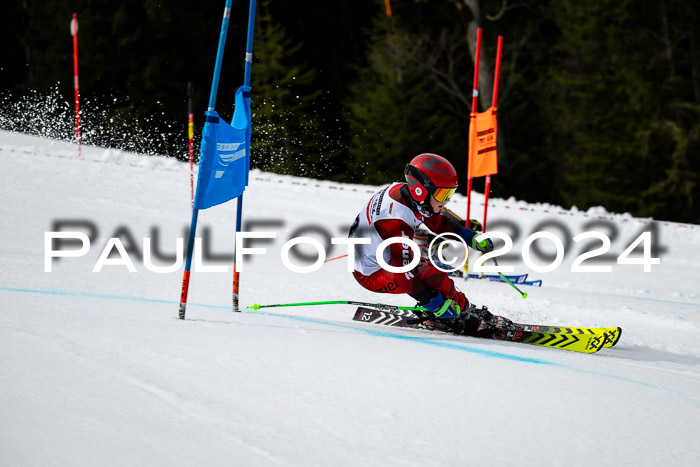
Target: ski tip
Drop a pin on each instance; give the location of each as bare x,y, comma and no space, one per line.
255,306
617,338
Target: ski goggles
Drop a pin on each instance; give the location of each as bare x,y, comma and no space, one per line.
443,194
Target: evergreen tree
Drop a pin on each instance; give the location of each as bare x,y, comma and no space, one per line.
620,124
395,112
672,139
287,132
599,101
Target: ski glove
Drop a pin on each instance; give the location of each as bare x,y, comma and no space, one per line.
469,236
442,308
475,225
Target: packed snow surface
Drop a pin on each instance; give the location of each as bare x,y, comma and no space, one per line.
96,369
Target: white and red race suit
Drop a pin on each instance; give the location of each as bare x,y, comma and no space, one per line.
389,214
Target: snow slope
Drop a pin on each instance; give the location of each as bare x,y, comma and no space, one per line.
96,369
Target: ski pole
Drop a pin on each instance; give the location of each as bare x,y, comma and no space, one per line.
337,257
379,306
522,294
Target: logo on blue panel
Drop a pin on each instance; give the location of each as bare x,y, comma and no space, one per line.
227,153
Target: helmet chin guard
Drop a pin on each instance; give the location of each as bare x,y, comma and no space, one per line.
425,209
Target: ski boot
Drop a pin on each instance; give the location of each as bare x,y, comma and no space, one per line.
480,322
427,320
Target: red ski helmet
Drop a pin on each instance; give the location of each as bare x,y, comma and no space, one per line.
430,174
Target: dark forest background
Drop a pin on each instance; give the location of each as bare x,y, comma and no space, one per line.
599,100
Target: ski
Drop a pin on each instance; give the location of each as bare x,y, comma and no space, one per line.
613,334
516,279
577,339
535,283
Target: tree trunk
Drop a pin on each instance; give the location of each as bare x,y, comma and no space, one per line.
470,13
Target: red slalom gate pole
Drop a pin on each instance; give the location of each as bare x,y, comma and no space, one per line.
475,98
74,33
494,104
472,121
190,134
497,73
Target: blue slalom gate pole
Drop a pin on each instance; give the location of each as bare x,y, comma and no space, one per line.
220,54
239,209
195,211
249,44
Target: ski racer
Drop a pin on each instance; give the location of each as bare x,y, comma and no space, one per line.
397,211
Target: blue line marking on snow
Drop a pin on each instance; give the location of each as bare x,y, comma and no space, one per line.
85,295
651,299
422,340
374,332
